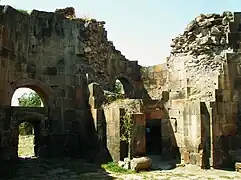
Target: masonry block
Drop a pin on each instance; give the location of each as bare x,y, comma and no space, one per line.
238,166
139,135
229,129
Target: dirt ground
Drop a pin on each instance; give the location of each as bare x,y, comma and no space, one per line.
61,169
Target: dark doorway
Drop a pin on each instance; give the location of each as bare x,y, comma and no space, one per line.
153,136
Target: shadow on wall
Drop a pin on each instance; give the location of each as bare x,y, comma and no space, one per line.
92,142
170,149
205,147
104,155
214,148
98,123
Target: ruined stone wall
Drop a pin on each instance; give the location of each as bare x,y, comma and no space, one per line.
113,132
58,57
114,125
196,59
60,53
201,76
226,113
155,80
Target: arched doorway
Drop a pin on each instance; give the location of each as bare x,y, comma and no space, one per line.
119,88
122,85
44,91
28,108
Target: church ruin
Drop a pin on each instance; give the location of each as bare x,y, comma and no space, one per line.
187,108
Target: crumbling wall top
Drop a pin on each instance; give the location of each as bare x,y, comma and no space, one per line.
204,35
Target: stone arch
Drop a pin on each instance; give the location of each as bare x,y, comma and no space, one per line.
38,122
30,117
127,85
33,118
38,86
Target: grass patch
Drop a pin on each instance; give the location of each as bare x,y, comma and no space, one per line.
113,167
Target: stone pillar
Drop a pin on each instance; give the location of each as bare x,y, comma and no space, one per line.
95,101
139,134
113,117
224,127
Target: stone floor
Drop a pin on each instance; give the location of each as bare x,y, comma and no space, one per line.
65,168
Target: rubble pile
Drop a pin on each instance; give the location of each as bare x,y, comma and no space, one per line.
68,12
204,35
95,50
199,52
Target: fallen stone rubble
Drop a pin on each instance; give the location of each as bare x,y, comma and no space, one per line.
137,164
202,47
205,34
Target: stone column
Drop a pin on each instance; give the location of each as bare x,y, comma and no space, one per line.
139,134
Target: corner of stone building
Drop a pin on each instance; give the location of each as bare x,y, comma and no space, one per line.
195,76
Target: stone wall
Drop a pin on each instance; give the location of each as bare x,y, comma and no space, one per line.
226,113
71,64
58,57
201,78
114,112
107,111
155,80
113,132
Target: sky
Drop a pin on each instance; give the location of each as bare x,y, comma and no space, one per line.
141,29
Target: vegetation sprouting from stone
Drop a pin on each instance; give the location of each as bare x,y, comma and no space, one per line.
117,94
112,97
23,11
127,127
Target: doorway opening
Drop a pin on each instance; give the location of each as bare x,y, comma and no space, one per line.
119,87
123,86
28,140
153,136
28,105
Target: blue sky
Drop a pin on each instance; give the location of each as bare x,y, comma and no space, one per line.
141,29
